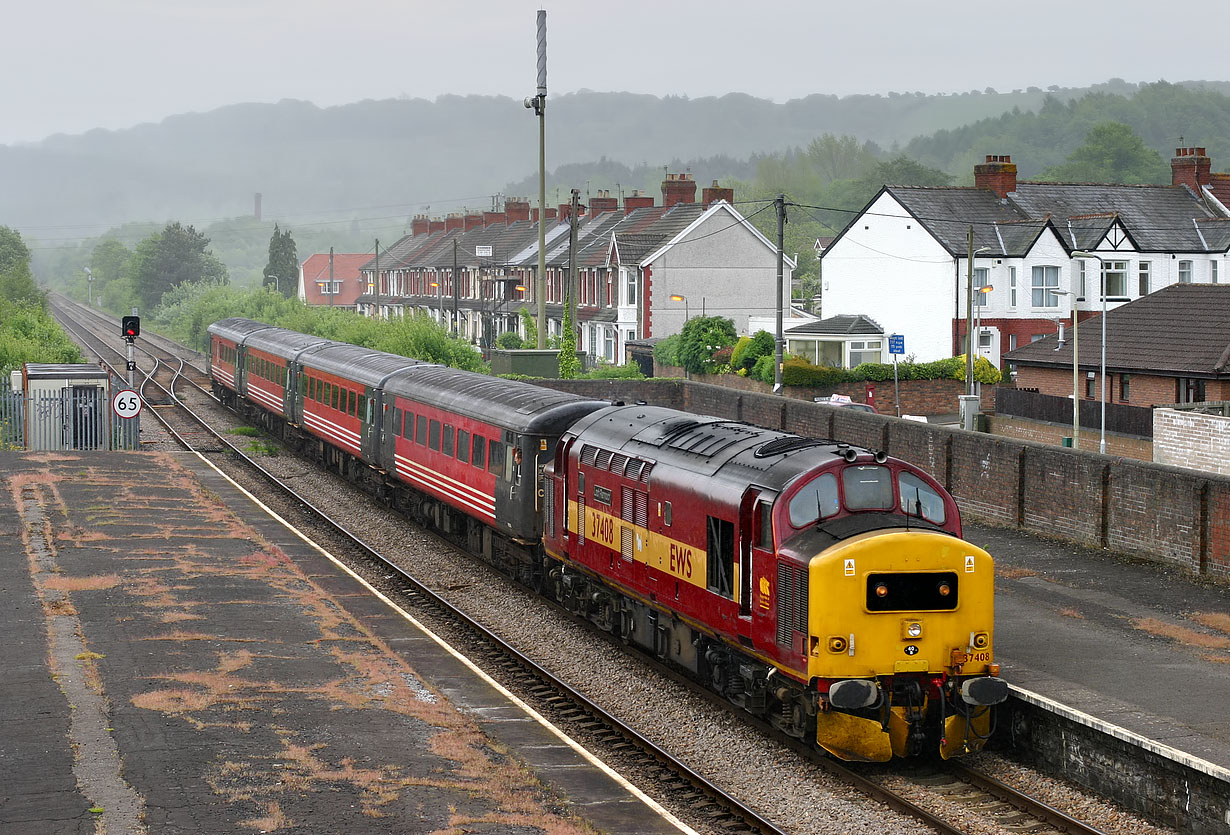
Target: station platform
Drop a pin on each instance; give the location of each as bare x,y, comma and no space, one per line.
176,660
1133,644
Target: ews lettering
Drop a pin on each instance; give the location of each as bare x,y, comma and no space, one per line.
681,560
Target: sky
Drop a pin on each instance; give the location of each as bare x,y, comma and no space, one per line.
76,65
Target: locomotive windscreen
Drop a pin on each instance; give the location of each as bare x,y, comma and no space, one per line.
913,591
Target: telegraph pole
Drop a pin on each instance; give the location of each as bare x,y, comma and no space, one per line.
456,284
376,285
539,104
331,277
574,286
969,314
779,342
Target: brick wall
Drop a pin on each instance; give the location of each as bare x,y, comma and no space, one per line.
1190,439
1155,512
1143,389
1043,432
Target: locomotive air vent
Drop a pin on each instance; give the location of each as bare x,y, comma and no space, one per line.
778,446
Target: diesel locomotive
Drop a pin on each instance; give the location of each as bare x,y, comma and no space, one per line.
820,586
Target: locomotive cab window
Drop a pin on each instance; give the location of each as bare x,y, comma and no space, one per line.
867,487
817,500
764,525
917,499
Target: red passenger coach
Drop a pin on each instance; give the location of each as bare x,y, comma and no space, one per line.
226,354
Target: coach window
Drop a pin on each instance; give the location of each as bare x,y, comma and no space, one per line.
433,435
397,421
918,499
407,426
446,441
867,487
478,452
333,395
495,456
463,445
350,404
362,406
721,556
420,431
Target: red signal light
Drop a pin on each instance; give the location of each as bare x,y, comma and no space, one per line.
130,327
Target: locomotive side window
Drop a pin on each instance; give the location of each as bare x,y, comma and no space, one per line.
478,452
666,513
917,499
463,446
867,487
817,500
433,435
420,431
721,557
764,525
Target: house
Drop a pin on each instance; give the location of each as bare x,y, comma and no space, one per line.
905,258
1170,346
838,341
641,269
332,280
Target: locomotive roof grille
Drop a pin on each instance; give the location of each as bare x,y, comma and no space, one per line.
780,446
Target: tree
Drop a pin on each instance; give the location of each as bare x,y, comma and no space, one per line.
700,338
569,366
282,271
176,255
16,280
1112,153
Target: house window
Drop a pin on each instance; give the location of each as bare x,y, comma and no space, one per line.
1012,342
1145,268
1185,272
631,287
1188,390
1116,279
864,351
1213,270
981,277
1125,389
984,339
1080,279
1090,379
1035,337
1045,278
1012,287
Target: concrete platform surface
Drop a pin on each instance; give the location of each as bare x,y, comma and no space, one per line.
171,665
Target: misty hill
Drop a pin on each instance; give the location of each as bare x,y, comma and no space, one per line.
395,157
449,153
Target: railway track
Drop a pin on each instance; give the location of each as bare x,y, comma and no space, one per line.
176,391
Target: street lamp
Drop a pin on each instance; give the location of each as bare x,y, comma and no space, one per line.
969,316
1076,394
1102,265
976,342
439,303
684,299
277,283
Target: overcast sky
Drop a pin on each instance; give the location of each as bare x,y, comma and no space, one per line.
74,65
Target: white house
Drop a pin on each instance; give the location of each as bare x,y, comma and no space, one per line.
904,260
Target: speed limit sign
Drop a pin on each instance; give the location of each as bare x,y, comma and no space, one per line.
126,403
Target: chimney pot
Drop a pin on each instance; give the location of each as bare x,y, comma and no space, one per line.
997,174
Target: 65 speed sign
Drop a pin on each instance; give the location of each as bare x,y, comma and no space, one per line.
126,403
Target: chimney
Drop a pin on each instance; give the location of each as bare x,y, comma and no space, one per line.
678,188
997,174
436,225
454,221
493,217
517,210
603,202
565,209
420,225
636,200
474,221
551,214
715,193
1190,167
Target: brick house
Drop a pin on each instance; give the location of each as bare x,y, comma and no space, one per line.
1171,346
904,260
332,280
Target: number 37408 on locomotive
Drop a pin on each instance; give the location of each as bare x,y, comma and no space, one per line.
821,586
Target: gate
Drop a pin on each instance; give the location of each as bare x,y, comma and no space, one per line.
75,417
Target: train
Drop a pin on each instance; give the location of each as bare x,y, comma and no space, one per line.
822,587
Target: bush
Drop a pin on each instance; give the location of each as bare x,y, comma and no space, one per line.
666,352
509,341
736,354
629,371
763,370
799,372
761,344
700,338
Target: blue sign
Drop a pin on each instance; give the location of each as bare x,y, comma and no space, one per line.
896,343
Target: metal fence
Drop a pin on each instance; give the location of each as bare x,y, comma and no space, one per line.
1028,403
77,417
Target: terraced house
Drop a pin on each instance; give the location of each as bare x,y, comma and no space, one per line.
904,259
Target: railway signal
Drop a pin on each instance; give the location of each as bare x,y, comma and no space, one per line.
130,327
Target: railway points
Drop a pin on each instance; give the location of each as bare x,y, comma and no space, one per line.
180,668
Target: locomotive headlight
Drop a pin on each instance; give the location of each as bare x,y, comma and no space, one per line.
837,644
881,589
944,589
911,630
980,640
